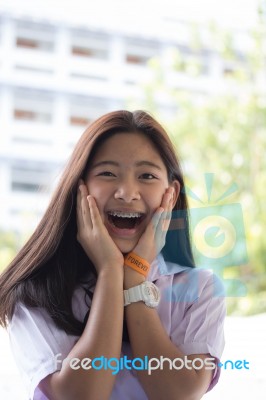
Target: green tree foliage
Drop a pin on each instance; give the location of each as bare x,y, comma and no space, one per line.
9,245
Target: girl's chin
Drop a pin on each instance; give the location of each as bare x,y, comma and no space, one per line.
125,246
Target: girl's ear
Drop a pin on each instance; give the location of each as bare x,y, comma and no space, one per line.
176,185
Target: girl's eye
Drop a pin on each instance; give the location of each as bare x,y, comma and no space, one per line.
148,176
106,173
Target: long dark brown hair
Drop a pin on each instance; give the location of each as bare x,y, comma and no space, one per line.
52,263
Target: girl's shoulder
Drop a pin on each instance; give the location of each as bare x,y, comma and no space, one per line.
26,318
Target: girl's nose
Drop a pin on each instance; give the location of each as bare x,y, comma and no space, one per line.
127,191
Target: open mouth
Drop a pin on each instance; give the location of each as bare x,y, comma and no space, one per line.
126,221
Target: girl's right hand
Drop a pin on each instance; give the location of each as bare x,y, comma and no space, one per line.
93,235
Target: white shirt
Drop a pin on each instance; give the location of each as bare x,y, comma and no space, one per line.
192,311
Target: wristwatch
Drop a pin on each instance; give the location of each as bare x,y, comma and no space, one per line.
146,292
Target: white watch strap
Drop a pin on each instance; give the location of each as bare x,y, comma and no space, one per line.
132,295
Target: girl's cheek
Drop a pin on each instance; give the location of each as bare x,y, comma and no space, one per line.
94,190
98,196
160,199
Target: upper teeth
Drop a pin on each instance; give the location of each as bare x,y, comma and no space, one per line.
124,214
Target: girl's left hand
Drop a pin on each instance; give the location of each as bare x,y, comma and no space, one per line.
153,238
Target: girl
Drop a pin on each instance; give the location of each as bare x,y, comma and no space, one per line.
103,301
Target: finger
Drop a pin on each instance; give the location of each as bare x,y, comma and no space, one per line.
165,217
160,220
80,206
80,222
153,225
166,198
161,231
167,202
85,209
169,207
94,212
171,199
165,221
166,205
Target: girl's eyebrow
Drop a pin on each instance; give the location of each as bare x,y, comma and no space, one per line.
137,164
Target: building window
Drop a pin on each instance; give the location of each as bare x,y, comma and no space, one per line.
136,59
139,53
90,45
77,120
34,44
29,115
35,36
79,75
24,114
34,70
83,110
29,178
33,106
25,187
89,52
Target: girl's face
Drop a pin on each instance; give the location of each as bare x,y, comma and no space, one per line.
127,175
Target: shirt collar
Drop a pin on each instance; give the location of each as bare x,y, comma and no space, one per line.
159,268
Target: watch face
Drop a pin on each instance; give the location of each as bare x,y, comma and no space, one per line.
152,294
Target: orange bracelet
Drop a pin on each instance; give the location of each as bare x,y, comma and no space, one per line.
137,263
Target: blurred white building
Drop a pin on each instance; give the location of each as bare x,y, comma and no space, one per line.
58,74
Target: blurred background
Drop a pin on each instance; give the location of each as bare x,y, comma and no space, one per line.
199,67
